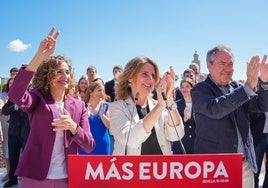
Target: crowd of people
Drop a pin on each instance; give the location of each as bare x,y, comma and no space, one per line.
45,115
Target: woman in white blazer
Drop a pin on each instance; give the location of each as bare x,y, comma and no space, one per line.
140,124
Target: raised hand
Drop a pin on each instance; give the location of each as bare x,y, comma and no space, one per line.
161,88
47,46
170,86
253,68
172,72
264,69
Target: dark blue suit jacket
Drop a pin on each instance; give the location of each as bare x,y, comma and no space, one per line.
18,120
217,116
109,89
257,122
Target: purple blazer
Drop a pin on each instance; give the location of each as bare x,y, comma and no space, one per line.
35,160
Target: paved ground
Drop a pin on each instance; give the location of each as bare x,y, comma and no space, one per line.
2,174
2,167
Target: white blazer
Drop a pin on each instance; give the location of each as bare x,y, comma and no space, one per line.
124,118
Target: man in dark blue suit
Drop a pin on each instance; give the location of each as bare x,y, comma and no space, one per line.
109,85
259,129
18,132
109,90
221,108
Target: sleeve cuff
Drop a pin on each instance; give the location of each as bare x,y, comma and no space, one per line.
248,90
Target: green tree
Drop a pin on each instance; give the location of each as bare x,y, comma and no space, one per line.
1,87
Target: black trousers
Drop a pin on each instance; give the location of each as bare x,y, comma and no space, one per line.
15,147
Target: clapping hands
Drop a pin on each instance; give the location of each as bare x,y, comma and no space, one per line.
255,69
264,69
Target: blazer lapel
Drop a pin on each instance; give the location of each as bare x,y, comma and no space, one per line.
241,127
69,105
51,105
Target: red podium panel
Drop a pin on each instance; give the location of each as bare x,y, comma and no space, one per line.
155,171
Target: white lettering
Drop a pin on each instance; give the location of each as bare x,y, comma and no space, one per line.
144,170
127,169
94,174
113,173
221,171
157,170
187,170
164,170
175,168
208,167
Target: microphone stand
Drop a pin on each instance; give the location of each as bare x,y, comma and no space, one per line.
131,120
172,119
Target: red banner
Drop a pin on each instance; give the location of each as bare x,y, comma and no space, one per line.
155,171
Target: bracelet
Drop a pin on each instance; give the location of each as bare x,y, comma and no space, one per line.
262,82
263,85
173,107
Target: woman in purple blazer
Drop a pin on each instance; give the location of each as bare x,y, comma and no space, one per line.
59,124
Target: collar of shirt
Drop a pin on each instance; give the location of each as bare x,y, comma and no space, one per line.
225,89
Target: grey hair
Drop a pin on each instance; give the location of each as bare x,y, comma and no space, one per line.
212,52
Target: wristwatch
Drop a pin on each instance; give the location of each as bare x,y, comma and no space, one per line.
173,107
263,84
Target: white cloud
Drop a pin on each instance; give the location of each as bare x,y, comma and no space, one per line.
18,46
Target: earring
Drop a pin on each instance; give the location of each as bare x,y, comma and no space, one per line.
129,85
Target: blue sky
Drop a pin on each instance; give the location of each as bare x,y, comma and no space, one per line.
105,33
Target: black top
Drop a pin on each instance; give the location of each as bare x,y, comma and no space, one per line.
151,145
